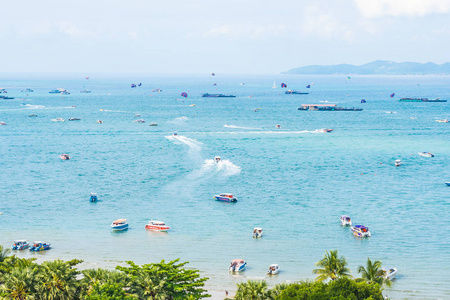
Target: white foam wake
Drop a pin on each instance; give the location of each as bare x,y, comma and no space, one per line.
238,127
224,166
31,106
179,139
183,118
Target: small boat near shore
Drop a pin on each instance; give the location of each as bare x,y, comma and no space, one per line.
237,265
345,220
119,224
274,269
225,197
64,156
218,96
157,226
39,246
360,231
257,232
20,245
426,154
389,273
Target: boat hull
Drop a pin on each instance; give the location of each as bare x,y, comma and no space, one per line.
157,228
225,199
119,227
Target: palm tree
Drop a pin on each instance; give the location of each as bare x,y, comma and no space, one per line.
19,283
331,266
150,286
277,289
3,253
253,290
373,273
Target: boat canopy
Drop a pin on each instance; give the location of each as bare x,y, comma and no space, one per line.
156,222
19,241
119,221
238,261
321,105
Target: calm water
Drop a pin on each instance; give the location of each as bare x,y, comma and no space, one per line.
294,182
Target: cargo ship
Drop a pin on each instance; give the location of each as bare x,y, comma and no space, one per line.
218,96
421,100
326,107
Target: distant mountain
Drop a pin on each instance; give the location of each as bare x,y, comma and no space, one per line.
379,67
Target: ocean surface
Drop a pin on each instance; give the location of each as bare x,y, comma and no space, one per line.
294,182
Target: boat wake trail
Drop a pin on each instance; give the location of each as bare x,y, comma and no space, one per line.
238,127
183,118
225,167
192,143
31,106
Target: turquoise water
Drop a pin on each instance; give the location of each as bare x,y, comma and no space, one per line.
294,182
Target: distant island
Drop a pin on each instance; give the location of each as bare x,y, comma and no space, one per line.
378,67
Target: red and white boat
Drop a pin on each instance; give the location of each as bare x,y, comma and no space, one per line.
325,130
64,156
157,226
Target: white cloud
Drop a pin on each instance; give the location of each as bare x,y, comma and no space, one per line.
414,8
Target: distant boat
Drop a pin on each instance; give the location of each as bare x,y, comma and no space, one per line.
58,120
33,115
157,226
363,101
237,265
2,123
426,154
28,90
153,124
273,269
157,90
326,107
442,121
85,91
6,97
325,130
93,197
217,159
257,232
345,220
226,197
60,91
292,92
99,121
447,183
389,273
64,156
421,100
360,231
74,119
139,121
218,96
398,162
119,224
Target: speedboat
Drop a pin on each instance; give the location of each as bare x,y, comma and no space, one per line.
273,269
20,245
153,124
447,183
119,224
389,273
157,90
426,154
99,121
217,159
278,126
237,265
85,91
93,197
157,226
398,162
2,123
64,156
139,121
58,91
442,121
74,119
33,115
345,220
27,90
360,231
257,232
39,246
175,134
58,120
225,197
137,115
326,130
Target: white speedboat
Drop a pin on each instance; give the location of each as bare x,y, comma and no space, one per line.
273,269
226,197
278,126
345,220
237,265
398,162
360,231
442,121
389,273
426,154
58,120
2,123
64,156
217,159
139,121
157,226
99,121
119,224
257,232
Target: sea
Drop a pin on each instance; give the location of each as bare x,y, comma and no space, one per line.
294,181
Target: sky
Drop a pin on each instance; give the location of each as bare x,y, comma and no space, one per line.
228,36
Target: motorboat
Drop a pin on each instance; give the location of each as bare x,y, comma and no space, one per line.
33,115
360,231
426,154
447,183
257,232
28,90
74,119
39,246
139,121
157,90
217,159
137,115
389,273
64,156
58,91
442,121
20,245
237,265
153,124
345,220
156,226
2,123
85,91
225,197
133,85
58,120
292,92
99,121
325,130
278,126
93,197
175,134
274,269
119,224
398,162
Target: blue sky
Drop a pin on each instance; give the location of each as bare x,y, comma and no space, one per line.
229,36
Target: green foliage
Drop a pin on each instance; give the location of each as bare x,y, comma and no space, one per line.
331,267
164,281
373,273
340,289
107,291
253,290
